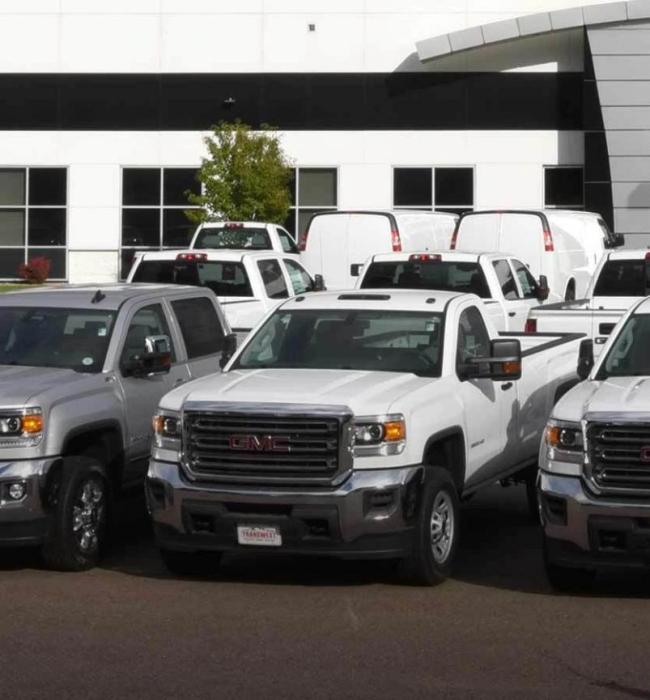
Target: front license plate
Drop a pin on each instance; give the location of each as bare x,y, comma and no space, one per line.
258,535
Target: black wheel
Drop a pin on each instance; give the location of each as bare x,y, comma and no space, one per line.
190,563
567,579
435,538
79,501
570,294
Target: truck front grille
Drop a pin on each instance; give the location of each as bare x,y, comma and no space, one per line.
266,447
619,455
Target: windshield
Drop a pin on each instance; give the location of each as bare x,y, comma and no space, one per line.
225,279
385,341
462,277
623,278
629,356
74,339
233,237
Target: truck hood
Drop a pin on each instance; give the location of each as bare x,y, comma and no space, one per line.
20,386
366,393
625,395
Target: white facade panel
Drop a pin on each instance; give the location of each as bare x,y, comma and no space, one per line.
94,228
509,185
365,186
93,267
29,43
110,43
93,185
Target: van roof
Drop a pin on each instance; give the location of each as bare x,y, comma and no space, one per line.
397,213
549,213
394,299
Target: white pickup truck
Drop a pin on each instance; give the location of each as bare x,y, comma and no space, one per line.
243,235
248,285
595,461
505,284
621,279
351,424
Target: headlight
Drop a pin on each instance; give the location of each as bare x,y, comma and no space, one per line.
21,427
379,435
167,430
564,441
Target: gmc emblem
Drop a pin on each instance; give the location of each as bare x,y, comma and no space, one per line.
645,455
259,443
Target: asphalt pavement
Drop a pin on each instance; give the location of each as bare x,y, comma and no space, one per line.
285,627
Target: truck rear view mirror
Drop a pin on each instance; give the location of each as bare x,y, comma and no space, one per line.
585,358
543,289
229,349
503,363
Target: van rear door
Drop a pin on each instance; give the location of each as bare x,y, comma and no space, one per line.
523,236
368,234
478,232
325,246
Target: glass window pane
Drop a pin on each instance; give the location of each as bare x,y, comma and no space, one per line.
56,258
412,187
176,181
10,259
317,187
12,227
199,325
47,186
454,186
177,228
141,227
150,320
506,280
292,187
273,279
141,186
563,187
46,227
12,186
290,222
303,218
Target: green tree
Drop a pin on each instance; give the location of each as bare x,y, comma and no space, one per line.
245,177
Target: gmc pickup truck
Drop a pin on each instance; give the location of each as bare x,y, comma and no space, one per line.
505,284
621,279
595,462
351,424
82,370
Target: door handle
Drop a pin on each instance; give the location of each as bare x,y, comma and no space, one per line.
506,386
600,340
511,313
179,381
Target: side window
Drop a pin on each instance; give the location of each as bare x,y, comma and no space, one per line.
526,280
288,244
300,280
200,326
473,338
150,320
276,287
506,280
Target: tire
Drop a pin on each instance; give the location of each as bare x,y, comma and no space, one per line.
570,294
567,579
190,563
79,498
436,532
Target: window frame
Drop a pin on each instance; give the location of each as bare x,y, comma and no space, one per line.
288,286
513,276
296,208
26,207
161,207
286,262
435,205
170,334
176,318
479,317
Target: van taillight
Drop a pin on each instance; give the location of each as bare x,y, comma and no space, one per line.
395,239
531,326
302,241
548,241
454,237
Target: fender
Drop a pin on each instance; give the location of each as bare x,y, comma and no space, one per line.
457,470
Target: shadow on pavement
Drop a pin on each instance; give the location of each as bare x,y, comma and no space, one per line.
500,548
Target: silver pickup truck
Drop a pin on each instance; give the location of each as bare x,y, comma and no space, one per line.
82,370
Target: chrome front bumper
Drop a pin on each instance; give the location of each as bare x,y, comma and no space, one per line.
23,521
369,515
582,529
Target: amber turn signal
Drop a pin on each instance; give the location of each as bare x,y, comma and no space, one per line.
32,424
394,431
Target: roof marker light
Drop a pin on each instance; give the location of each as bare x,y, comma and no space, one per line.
192,257
425,257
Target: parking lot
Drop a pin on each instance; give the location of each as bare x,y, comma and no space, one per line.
288,627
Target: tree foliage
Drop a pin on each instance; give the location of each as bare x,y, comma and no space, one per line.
245,177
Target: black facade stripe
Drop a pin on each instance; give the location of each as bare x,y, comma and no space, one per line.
293,101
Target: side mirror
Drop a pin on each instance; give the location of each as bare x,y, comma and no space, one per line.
585,358
542,288
157,343
503,364
356,269
319,284
147,365
229,349
619,240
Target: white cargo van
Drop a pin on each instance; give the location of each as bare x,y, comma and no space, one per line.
337,243
564,246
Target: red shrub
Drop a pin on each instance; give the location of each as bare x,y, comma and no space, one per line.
35,271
